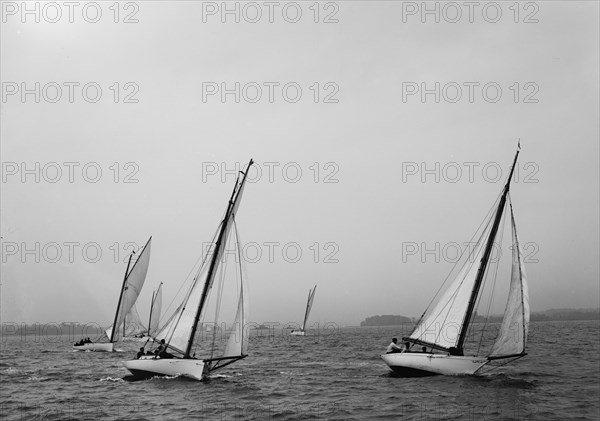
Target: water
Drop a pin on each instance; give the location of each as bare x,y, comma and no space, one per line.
337,376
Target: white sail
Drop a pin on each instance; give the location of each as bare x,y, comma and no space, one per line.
132,325
309,303
512,337
155,311
177,331
237,343
441,324
131,289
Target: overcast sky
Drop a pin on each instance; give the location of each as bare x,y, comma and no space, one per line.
374,180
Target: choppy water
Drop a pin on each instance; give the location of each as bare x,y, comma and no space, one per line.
337,375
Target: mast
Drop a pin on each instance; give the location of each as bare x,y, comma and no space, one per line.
485,259
306,311
114,329
215,258
311,294
154,297
150,316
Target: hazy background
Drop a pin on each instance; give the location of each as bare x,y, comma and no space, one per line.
366,209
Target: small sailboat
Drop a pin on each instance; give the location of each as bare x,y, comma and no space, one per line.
443,328
183,335
309,303
130,291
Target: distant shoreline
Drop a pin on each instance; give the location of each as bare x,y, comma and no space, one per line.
567,314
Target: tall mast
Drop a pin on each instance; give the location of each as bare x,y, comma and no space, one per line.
306,311
215,257
485,259
115,327
150,317
154,297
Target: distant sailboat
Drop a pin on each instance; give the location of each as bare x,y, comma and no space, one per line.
130,291
309,303
184,330
443,327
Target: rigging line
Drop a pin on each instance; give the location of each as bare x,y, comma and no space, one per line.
487,218
472,261
181,309
493,287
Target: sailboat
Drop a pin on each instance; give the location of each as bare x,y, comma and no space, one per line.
130,290
309,303
134,329
443,327
183,334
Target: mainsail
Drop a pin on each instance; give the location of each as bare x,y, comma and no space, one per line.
440,325
512,338
130,291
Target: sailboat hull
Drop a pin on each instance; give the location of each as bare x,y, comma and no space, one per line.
149,366
416,364
97,347
298,333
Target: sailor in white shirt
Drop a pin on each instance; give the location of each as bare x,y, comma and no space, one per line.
393,347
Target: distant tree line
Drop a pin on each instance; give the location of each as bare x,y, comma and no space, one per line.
386,320
548,315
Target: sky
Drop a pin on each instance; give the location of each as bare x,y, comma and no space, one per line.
381,138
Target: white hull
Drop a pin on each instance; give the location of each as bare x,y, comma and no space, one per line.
298,333
148,366
422,364
98,347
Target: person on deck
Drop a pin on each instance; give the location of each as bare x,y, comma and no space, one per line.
392,347
161,351
140,353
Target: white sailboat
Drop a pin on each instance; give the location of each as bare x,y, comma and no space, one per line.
183,334
309,303
444,325
130,291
